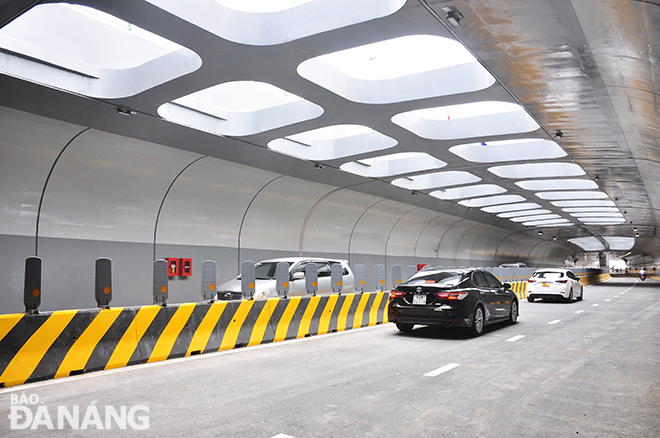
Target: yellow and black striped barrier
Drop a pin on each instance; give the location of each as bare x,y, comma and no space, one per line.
520,288
57,344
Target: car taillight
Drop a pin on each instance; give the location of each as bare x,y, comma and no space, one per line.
531,281
397,294
561,281
451,295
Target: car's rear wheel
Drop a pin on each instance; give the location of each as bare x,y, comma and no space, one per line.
513,315
530,299
581,294
570,297
477,322
404,327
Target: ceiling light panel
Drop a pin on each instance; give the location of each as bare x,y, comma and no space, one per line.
86,51
467,120
398,70
557,184
435,180
239,108
537,170
546,222
511,207
602,221
468,191
269,22
535,217
512,214
620,243
332,142
508,150
394,164
591,209
588,243
584,203
595,214
492,200
575,194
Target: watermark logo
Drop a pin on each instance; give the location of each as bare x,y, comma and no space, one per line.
29,412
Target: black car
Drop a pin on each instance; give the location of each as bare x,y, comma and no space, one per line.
469,298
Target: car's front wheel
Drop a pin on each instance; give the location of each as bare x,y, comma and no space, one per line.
477,322
513,315
404,327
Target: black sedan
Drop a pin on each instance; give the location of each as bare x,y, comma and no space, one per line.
469,298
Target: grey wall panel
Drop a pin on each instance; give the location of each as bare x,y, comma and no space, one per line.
465,250
371,231
276,217
485,246
329,226
429,238
28,147
107,187
403,238
206,204
450,242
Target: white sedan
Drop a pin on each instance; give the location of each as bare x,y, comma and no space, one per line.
554,284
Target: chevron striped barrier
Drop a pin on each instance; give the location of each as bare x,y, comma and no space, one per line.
520,288
58,344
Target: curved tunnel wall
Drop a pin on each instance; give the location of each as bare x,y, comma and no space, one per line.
111,196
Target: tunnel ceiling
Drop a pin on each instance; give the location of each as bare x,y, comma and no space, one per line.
531,116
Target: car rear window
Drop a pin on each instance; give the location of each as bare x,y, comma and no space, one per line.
548,275
441,278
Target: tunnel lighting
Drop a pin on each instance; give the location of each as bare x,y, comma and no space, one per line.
511,207
583,203
574,194
557,184
435,180
619,243
269,22
511,214
602,221
492,200
467,120
468,191
88,52
394,164
546,222
398,70
332,142
537,170
509,150
534,217
239,108
588,243
596,214
591,209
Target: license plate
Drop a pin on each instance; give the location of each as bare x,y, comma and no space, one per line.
419,299
546,284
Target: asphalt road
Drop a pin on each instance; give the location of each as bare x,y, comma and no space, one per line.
587,369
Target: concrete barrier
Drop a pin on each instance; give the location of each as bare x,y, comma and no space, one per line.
58,344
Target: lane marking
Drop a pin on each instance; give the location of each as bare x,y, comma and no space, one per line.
579,311
595,305
515,338
281,435
441,370
555,321
608,299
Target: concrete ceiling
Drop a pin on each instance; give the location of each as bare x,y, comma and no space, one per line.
587,68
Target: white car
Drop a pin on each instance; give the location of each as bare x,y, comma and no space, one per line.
265,286
554,284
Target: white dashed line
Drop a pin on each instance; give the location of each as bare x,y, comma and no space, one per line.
515,338
555,321
579,311
281,435
595,305
441,370
608,299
